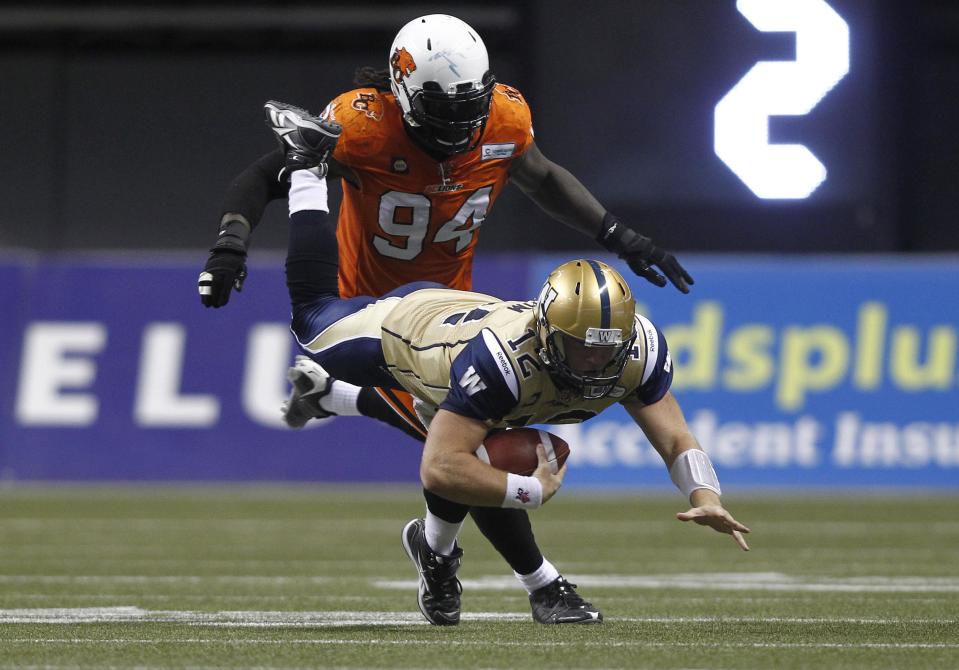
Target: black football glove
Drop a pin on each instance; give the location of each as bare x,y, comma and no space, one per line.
225,269
641,254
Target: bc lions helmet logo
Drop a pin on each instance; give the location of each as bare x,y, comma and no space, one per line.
402,63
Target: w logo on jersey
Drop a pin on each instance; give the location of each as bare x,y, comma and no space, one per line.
471,381
402,63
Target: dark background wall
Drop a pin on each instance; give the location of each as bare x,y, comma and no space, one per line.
122,126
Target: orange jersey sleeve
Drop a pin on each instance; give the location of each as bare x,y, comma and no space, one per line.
411,217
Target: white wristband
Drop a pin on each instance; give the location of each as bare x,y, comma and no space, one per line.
693,470
523,492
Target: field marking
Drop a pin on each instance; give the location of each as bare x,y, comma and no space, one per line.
495,643
705,581
140,666
334,618
724,581
160,579
81,525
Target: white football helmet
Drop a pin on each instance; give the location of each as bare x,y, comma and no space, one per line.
439,72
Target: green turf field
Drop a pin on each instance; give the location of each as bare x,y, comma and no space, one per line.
316,577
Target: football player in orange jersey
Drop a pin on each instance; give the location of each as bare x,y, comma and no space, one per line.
427,146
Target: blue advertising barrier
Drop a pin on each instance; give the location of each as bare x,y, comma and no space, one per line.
791,371
800,372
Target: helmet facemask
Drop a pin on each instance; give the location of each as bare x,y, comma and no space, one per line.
591,369
452,123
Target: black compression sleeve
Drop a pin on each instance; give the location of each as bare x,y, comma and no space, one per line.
251,190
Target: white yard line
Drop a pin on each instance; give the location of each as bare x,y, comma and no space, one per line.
334,618
150,667
718,581
497,643
159,579
221,526
706,581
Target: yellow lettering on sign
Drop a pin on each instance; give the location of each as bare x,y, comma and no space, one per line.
812,359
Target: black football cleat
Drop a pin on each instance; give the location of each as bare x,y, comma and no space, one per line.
558,602
439,591
307,140
310,383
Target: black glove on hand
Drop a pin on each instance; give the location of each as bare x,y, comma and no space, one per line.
641,254
225,269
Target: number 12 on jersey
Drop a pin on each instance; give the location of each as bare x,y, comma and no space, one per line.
474,210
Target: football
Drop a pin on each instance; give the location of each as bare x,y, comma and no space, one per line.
514,450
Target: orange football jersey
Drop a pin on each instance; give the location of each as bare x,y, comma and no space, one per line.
412,218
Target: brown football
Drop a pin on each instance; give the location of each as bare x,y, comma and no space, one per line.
514,450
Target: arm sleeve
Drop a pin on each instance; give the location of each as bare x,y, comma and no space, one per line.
658,372
483,381
251,190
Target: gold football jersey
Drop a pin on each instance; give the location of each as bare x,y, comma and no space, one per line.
478,356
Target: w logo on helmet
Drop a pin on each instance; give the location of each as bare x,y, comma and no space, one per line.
402,63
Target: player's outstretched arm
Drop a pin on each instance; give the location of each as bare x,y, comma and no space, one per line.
243,203
689,466
450,469
563,196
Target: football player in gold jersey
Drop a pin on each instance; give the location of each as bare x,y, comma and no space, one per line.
427,146
476,363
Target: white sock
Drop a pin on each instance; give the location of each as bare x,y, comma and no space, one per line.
539,577
341,400
441,535
307,192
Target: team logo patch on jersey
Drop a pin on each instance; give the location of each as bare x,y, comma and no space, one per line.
472,382
369,104
496,151
510,92
443,188
402,63
400,166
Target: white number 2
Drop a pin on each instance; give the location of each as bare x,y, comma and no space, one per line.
474,208
781,88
